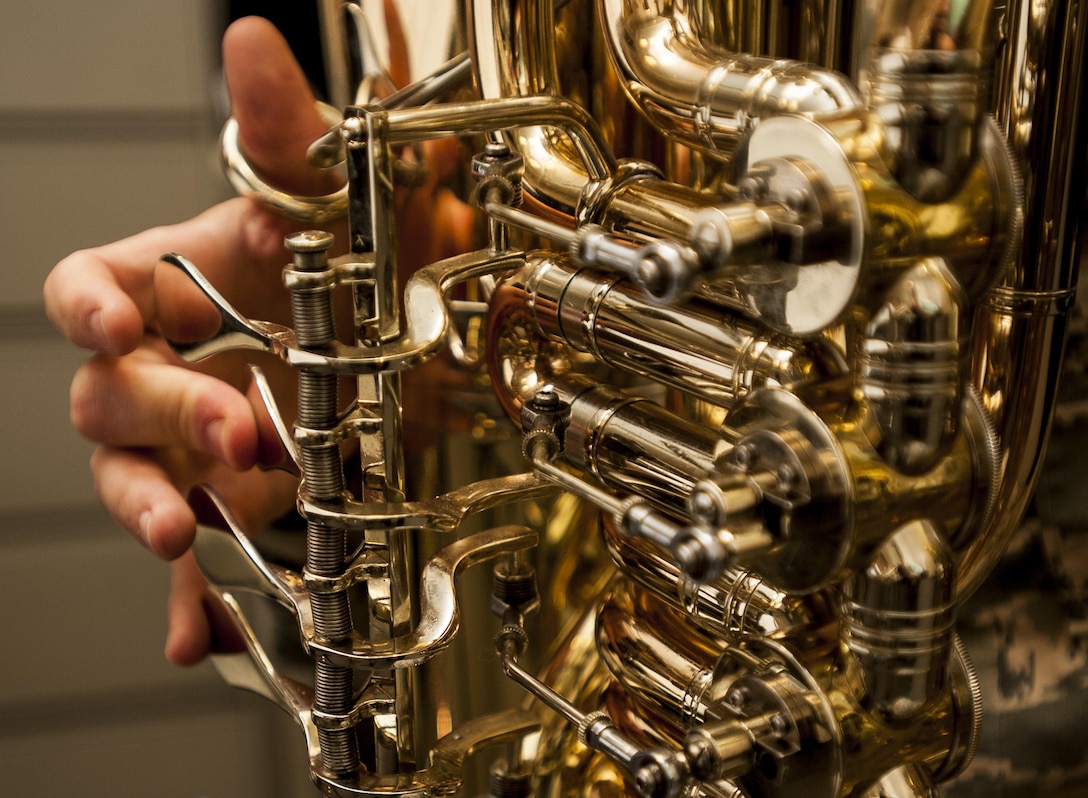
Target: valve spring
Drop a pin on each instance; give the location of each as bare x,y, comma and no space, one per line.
317,408
313,319
333,694
324,476
325,556
339,750
332,615
325,550
317,400
335,683
324,472
332,620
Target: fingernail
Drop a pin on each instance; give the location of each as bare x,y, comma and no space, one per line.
143,527
213,436
98,329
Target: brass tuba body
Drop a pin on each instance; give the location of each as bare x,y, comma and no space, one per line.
775,296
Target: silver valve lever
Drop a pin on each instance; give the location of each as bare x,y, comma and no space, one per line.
255,672
235,331
231,562
427,317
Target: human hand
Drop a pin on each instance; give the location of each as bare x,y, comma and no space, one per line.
162,426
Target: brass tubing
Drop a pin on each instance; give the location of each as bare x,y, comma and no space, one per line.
703,351
408,125
698,92
898,617
675,675
906,781
1020,331
910,367
926,80
513,59
691,675
338,77
637,446
808,30
739,603
324,476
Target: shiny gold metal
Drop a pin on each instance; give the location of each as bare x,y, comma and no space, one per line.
832,251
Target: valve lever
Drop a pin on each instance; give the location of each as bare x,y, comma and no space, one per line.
235,331
268,399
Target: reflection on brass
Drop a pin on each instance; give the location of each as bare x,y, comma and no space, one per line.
791,374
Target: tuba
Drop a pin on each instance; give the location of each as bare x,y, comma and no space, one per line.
756,357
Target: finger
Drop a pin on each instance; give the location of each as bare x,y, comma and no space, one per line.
198,622
131,401
398,45
189,631
84,301
105,298
139,494
274,107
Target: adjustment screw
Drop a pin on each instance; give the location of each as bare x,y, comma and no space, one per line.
701,756
504,784
496,149
787,476
586,726
309,248
546,398
737,698
796,199
702,505
779,725
650,780
511,641
752,187
514,588
744,456
309,241
353,130
707,240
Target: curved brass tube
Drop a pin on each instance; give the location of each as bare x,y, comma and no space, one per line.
740,603
898,616
674,674
927,79
699,93
1021,329
514,56
704,351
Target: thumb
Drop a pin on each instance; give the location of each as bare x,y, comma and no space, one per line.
274,107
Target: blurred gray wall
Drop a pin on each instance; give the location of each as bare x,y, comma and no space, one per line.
106,128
